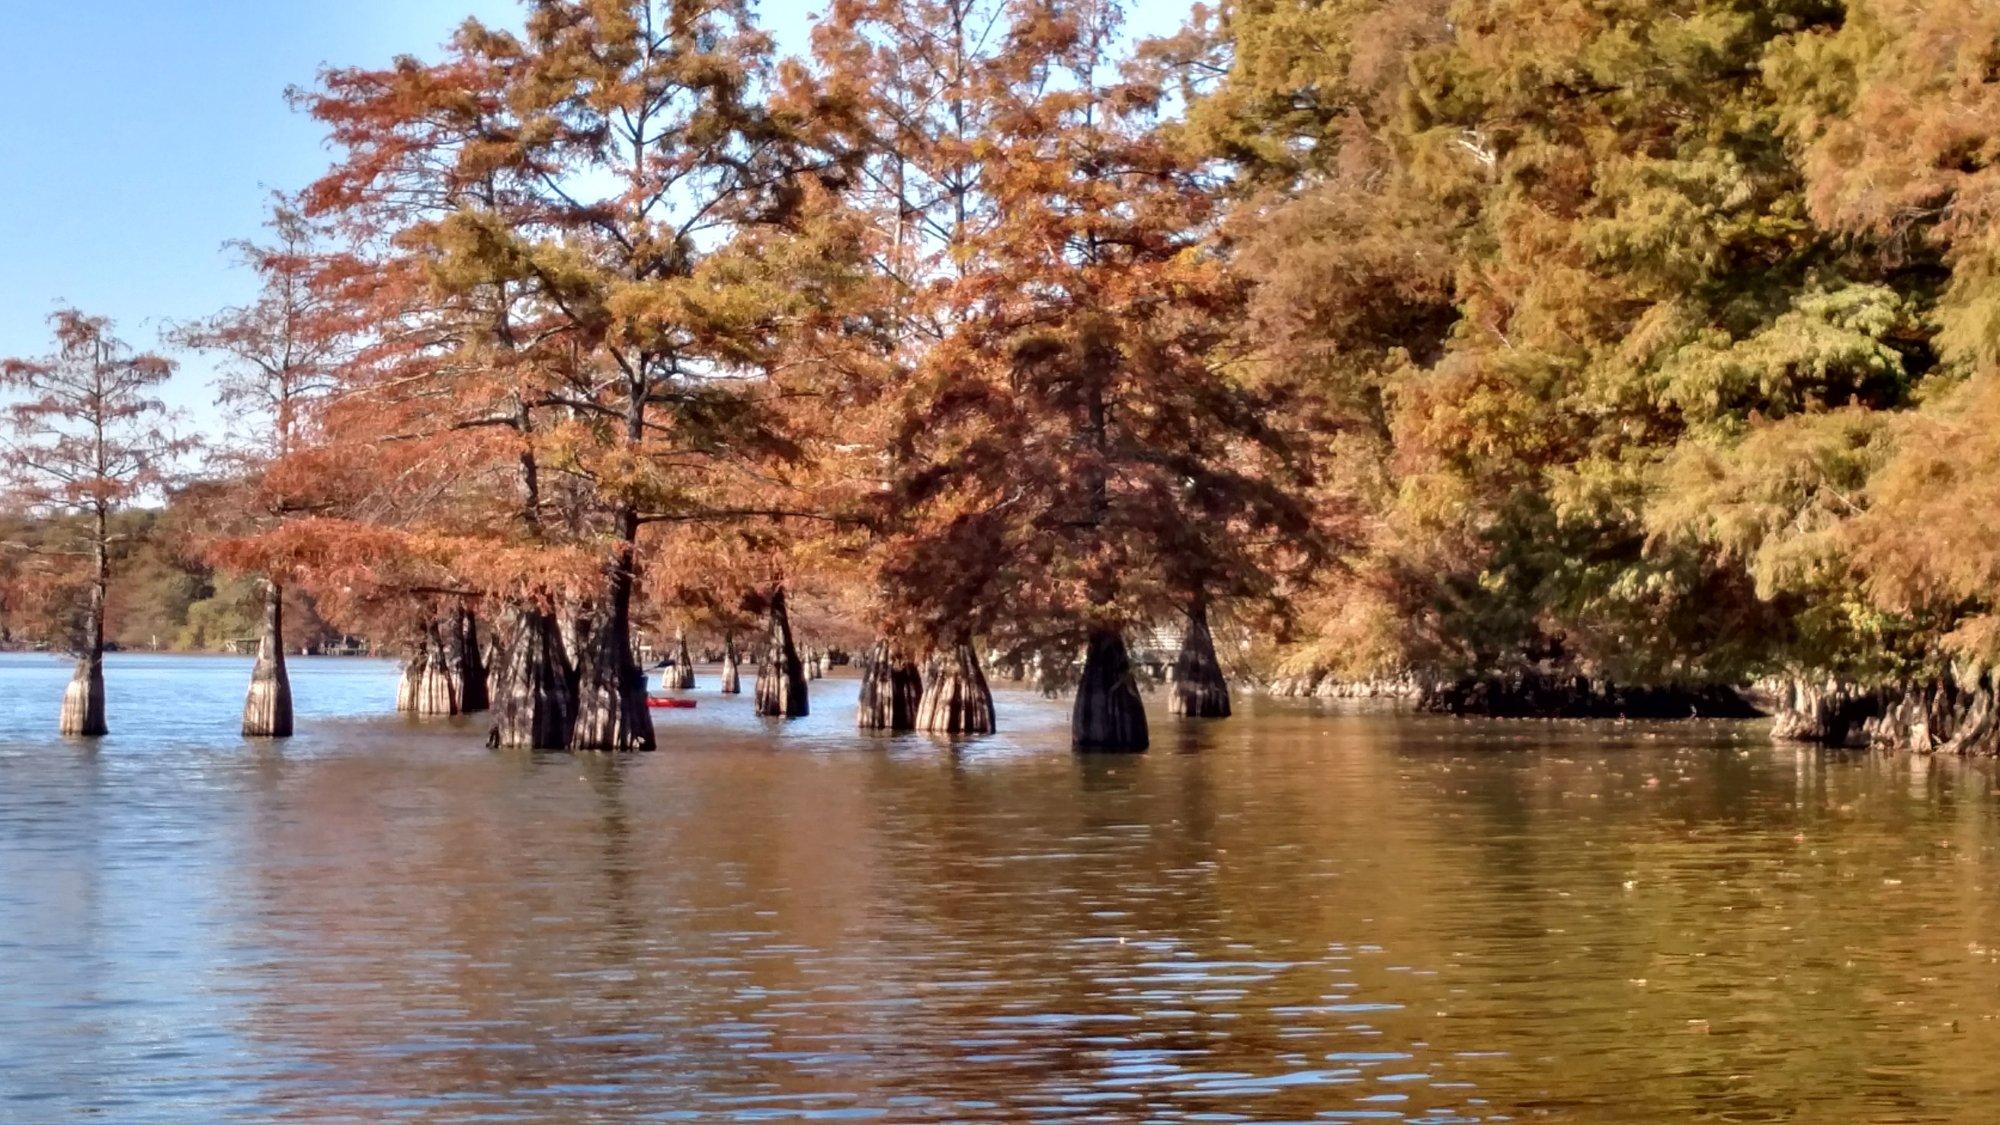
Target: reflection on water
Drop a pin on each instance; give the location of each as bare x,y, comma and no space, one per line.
1294,915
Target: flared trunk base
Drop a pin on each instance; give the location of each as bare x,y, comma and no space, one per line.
1109,713
83,702
781,676
891,689
1199,689
534,705
611,712
956,699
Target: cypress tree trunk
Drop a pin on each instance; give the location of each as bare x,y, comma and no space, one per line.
574,627
428,681
406,681
956,699
492,654
1199,689
781,676
83,700
267,708
891,689
1109,714
1955,714
469,662
611,709
1817,711
681,676
535,704
732,680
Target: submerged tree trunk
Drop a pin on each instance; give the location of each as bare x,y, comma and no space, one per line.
1825,712
535,703
781,676
428,686
468,662
956,699
267,708
83,699
891,689
611,711
574,628
680,677
1199,689
732,676
1955,714
1109,713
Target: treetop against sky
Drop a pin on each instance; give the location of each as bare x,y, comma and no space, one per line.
141,137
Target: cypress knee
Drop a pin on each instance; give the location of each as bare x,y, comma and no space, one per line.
267,708
956,699
1199,689
1109,713
534,704
891,689
781,676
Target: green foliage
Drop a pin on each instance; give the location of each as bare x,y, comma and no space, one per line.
1665,305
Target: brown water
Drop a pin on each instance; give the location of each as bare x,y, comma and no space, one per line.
1294,915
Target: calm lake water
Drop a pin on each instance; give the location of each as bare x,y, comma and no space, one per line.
1298,914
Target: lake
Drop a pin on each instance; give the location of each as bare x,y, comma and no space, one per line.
1298,914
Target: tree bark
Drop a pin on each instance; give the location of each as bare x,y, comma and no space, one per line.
267,708
1109,713
428,686
1825,712
469,662
611,712
535,704
680,677
1199,690
956,699
83,700
781,676
732,677
891,690
1954,714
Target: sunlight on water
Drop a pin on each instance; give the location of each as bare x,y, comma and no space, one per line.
1295,915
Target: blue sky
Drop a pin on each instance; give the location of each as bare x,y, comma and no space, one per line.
138,136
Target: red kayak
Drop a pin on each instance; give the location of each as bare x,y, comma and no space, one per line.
662,701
